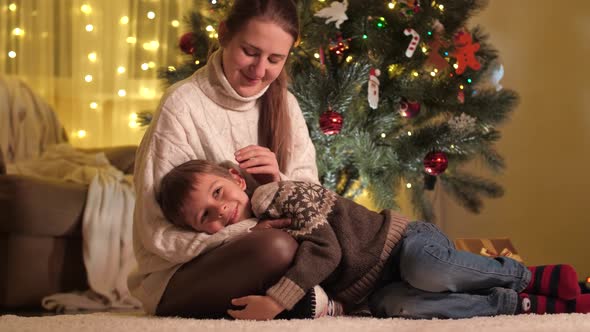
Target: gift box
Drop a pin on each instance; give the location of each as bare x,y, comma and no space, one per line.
489,247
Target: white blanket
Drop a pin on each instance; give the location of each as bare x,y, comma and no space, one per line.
106,229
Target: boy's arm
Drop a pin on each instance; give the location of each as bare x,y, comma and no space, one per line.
319,253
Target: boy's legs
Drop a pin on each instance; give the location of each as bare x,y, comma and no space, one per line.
430,262
399,299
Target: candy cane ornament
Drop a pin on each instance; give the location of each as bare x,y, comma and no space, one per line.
413,43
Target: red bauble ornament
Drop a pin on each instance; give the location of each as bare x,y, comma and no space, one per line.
435,162
186,43
409,108
330,122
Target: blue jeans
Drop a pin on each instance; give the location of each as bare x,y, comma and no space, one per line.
427,277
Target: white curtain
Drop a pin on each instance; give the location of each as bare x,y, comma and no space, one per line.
94,61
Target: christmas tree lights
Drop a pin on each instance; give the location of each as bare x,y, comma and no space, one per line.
434,108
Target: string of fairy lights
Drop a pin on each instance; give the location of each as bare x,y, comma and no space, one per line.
93,70
89,25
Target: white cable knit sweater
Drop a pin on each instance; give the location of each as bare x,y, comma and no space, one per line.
201,117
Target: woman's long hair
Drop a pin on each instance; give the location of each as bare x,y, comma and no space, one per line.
274,126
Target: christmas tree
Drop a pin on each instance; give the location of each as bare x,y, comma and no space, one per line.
396,94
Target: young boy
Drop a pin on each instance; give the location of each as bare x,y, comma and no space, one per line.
360,257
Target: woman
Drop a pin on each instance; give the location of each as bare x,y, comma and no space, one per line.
235,108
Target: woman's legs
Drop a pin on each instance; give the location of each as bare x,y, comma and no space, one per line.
204,287
430,262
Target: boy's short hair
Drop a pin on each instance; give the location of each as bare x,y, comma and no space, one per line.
177,184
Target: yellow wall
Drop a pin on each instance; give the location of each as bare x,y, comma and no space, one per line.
544,46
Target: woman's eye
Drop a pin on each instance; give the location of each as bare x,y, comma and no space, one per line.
216,192
249,52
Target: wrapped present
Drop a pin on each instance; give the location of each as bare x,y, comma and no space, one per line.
489,247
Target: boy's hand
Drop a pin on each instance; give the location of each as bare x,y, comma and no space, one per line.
272,223
256,308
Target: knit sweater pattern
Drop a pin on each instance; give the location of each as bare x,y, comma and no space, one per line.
343,246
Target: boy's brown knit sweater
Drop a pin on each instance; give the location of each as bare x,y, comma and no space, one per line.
342,245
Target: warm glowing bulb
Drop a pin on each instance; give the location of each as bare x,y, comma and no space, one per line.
133,124
151,15
89,27
441,7
152,45
409,133
171,68
88,78
18,32
455,66
316,55
424,49
12,7
152,64
122,93
124,20
391,5
120,69
432,73
81,133
92,56
145,66
133,116
383,135
175,23
93,105
86,9
209,28
131,40
12,54
408,185
197,62
453,146
349,58
415,73
461,87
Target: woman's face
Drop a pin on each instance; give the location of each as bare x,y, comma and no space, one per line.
254,57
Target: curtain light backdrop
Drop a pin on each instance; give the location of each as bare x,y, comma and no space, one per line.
94,61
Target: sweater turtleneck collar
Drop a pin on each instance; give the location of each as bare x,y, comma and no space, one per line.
216,86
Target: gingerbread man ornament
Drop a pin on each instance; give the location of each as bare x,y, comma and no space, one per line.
464,52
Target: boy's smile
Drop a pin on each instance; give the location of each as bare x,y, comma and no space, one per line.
216,202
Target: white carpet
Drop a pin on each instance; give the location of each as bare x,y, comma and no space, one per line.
138,323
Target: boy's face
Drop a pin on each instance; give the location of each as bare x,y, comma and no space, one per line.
217,202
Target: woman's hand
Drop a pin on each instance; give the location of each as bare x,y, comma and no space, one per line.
256,307
260,162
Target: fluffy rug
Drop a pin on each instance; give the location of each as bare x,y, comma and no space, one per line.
138,323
